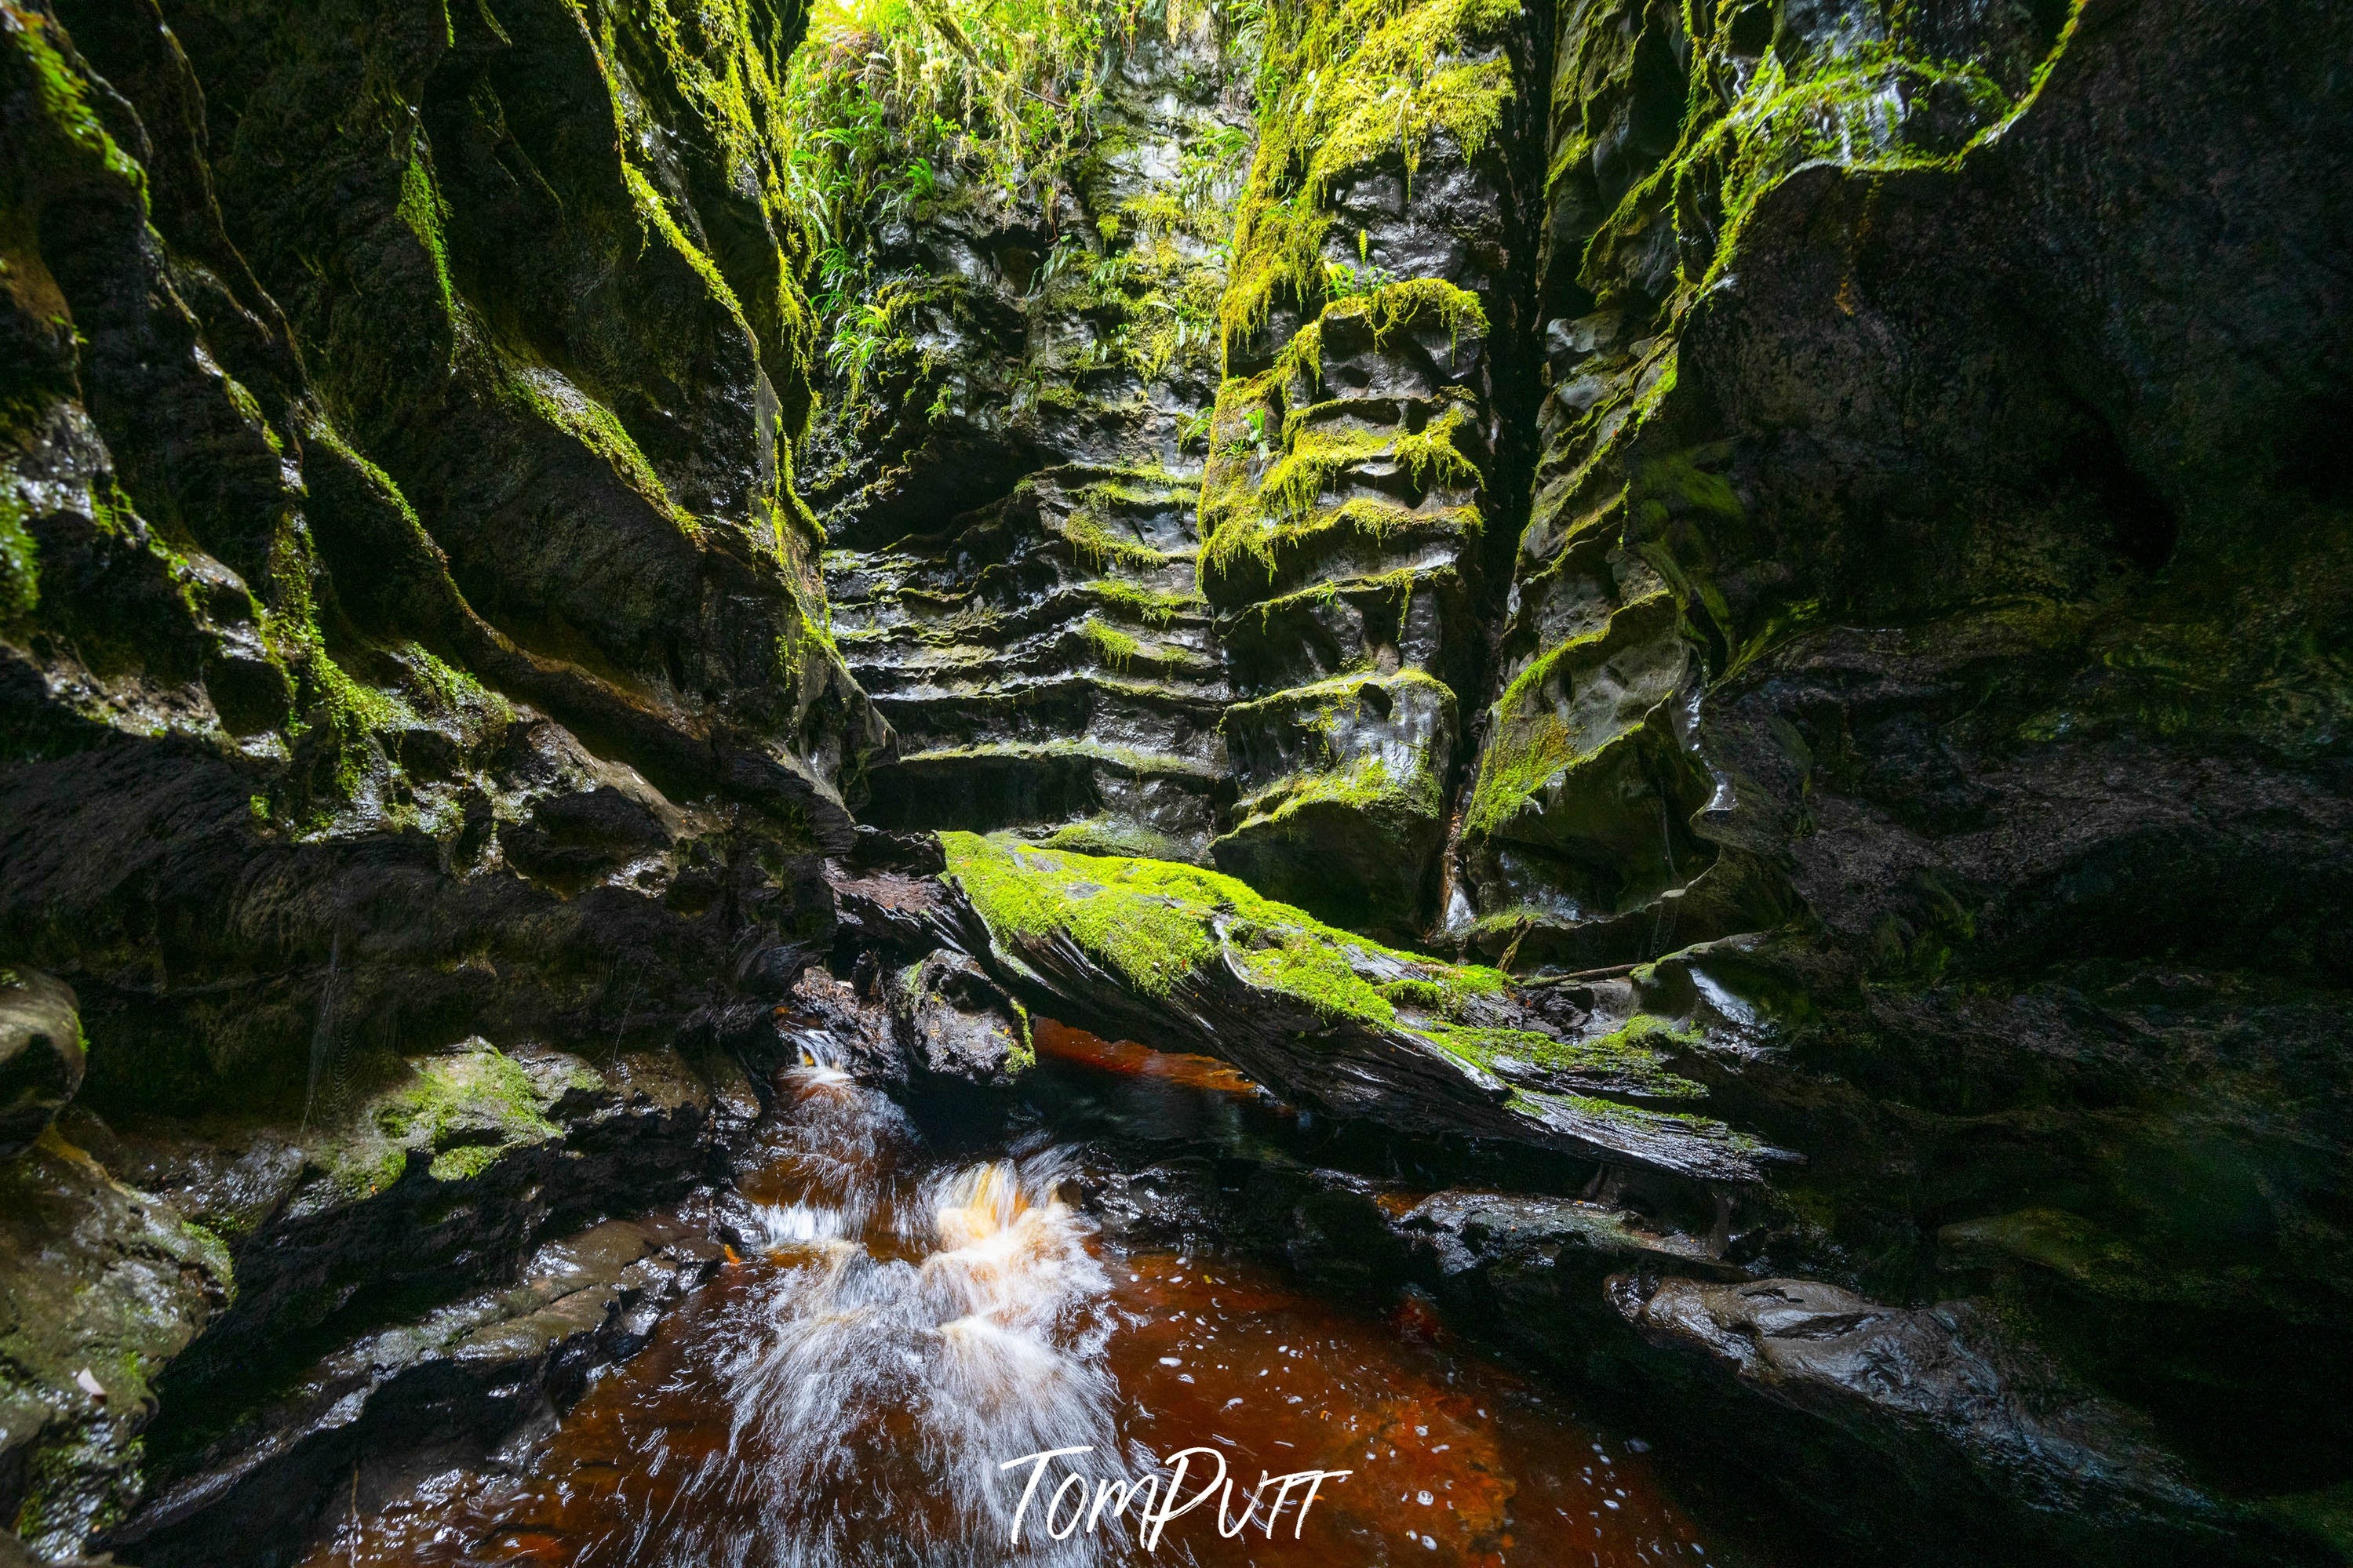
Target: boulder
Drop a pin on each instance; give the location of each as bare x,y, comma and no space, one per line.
958,1022
1945,1415
1188,960
41,1057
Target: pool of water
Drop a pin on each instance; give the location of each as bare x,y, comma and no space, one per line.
904,1326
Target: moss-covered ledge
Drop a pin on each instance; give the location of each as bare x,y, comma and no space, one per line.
1178,956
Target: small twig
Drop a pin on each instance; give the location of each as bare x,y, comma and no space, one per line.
1614,972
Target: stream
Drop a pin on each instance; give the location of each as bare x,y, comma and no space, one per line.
905,1319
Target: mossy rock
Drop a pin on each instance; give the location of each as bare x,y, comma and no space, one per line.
1344,809
1197,961
101,1286
456,1115
42,1055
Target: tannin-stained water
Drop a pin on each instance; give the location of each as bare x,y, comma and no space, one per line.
846,1390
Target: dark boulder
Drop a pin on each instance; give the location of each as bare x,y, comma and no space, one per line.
41,1055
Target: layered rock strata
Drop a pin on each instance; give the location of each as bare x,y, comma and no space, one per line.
412,654
1012,479
1812,532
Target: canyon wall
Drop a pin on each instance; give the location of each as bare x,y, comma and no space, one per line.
1844,500
409,636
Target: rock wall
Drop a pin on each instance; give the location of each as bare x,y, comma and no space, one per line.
1011,483
410,639
1366,457
1932,573
405,570
1823,522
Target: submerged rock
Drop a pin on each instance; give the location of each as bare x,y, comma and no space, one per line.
41,1057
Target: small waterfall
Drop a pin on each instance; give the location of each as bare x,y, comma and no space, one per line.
924,1329
900,1321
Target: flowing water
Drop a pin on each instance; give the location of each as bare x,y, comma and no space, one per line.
903,1322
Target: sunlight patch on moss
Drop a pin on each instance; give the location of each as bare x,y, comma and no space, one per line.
460,1111
1153,923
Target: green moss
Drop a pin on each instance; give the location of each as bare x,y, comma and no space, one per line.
1530,741
1152,924
1096,547
2067,1244
1249,515
550,397
1139,917
1365,784
1527,749
1150,605
1394,306
1340,86
1105,835
1330,774
63,103
422,210
2325,1516
1141,763
1629,1056
1024,1055
655,210
462,1112
1249,509
1743,132
20,571
1636,1119
453,693
902,109
1255,541
1156,927
1116,648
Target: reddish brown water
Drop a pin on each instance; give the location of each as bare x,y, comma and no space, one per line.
846,1393
1059,1042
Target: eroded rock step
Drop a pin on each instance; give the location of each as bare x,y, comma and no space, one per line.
1046,665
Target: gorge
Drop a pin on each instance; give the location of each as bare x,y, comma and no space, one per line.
751,755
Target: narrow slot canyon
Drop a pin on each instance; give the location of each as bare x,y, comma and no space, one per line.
941,784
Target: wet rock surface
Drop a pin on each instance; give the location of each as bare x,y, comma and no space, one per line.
398,1247
407,642
1808,538
959,1024
1193,961
41,1055
1016,495
102,1285
482,1374
1968,1419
